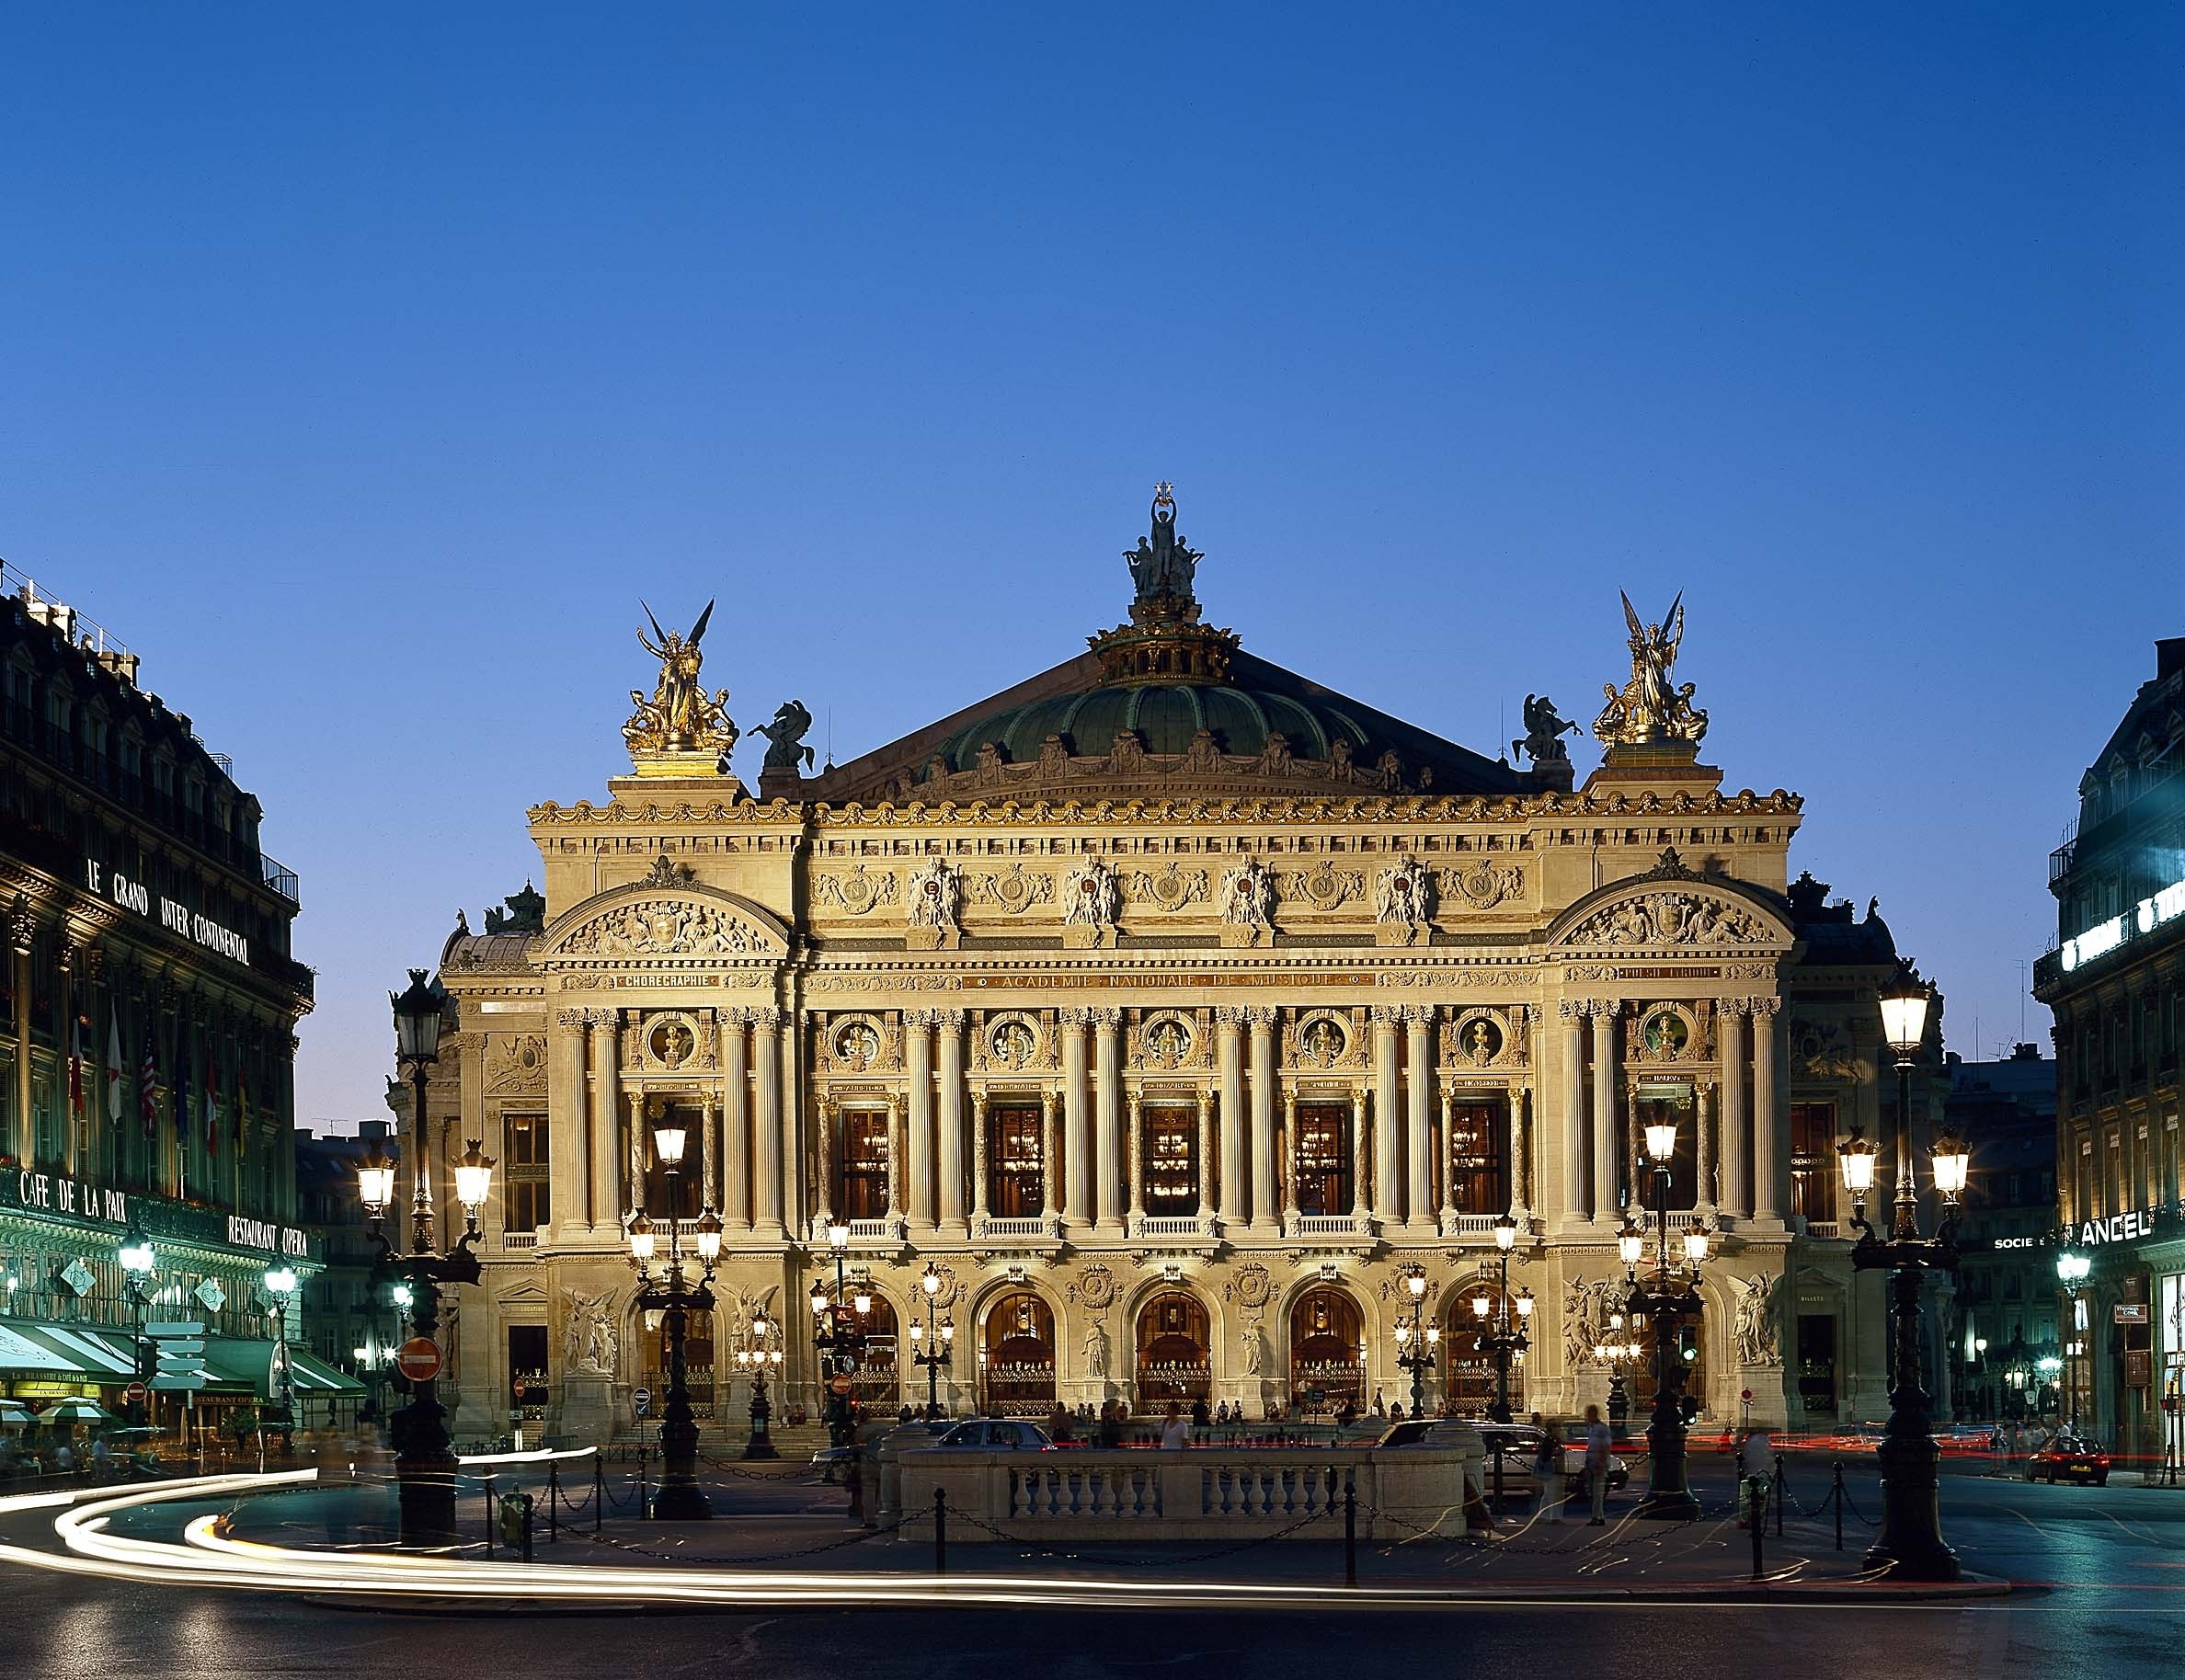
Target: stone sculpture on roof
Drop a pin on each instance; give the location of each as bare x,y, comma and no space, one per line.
679,718
1650,710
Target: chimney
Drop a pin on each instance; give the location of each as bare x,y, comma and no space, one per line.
2170,657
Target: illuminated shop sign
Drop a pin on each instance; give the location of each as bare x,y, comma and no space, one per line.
275,1239
57,1193
2133,1226
2105,936
175,917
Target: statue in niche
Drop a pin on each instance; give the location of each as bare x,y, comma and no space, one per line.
1096,1352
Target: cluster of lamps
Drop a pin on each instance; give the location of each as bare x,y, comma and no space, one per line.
755,1359
675,1294
933,1341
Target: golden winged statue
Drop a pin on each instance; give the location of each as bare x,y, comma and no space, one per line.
1650,708
680,717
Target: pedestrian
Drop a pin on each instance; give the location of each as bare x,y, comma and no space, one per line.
1379,1409
102,1457
1175,1430
1059,1429
1200,1416
1396,1413
1755,1464
1548,1471
64,1457
1111,1422
1597,1463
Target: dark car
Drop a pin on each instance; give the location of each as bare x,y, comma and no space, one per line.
2068,1459
999,1434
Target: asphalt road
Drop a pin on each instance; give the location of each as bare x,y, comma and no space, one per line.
2102,1576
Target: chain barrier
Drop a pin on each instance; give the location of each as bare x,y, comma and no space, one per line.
857,1538
957,1513
733,1467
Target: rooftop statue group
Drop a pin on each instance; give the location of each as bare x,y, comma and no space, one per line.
1650,710
679,717
1162,566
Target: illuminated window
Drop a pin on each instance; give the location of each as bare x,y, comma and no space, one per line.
1323,1156
1168,1139
861,1169
1015,1152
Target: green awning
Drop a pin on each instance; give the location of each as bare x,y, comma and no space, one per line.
312,1375
234,1365
32,1348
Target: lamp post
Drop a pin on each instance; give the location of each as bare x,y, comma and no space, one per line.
1668,1296
1987,1408
280,1284
838,1335
756,1358
1499,1339
1910,1545
675,1297
1415,1340
933,1341
1616,1353
423,1465
2071,1271
137,1258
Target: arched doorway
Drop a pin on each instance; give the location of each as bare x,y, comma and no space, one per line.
1467,1372
879,1384
1689,1350
1016,1357
1173,1361
1327,1339
698,1359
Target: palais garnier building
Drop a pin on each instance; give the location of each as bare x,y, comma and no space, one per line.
1171,1008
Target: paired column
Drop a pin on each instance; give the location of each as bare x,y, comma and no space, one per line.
950,1025
1289,1177
1575,1202
1206,1154
1107,1094
1229,1052
1357,1158
1605,1118
767,1122
1770,1159
830,1123
736,1117
1137,1165
918,1062
606,1122
1263,1114
1731,1028
1049,1205
1521,1125
566,1152
1388,1193
978,1157
1076,1133
1703,1199
790,1188
1418,1030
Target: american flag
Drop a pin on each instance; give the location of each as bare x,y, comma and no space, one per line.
148,1088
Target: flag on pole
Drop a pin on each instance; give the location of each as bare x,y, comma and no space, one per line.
113,1061
148,1086
213,1103
242,1112
75,1065
182,1096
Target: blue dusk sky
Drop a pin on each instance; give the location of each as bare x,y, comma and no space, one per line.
361,367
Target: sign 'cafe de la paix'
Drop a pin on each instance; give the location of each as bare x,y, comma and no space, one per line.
1171,1006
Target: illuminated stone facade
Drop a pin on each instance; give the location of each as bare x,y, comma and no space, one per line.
1169,1004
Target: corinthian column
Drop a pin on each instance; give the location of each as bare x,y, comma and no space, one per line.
1604,1121
1077,1136
1731,1030
830,1125
1263,1114
1388,1193
1107,1093
1229,1041
1137,1165
735,1119
606,1122
1575,1202
1771,1158
979,1158
918,1114
766,1121
1358,1213
1703,1199
1049,1207
565,1149
1204,1143
949,1023
1289,1177
1418,1031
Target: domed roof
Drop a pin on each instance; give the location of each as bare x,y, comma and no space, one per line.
1166,704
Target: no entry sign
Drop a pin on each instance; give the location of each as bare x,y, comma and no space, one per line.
418,1359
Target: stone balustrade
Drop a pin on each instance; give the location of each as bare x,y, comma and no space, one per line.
1212,1493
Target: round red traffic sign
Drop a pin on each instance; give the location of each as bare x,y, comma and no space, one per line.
135,1393
840,1384
418,1359
1745,1395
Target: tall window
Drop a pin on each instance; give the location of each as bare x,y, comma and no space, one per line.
524,1145
863,1163
1814,1170
1323,1155
682,1202
1479,1157
1170,1144
1015,1155
1666,1101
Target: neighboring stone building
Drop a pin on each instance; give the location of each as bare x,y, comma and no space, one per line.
2007,1280
2114,982
1169,1003
148,1012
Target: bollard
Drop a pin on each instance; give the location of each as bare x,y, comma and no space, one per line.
1779,1496
1757,1517
1837,1494
598,1491
940,1531
1350,1529
492,1506
644,1493
529,1510
854,1483
554,1501
1498,1478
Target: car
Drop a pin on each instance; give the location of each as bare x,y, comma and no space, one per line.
998,1434
1519,1444
2069,1458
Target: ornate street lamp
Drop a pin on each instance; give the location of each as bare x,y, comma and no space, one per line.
675,1297
1666,1298
424,1464
2071,1271
1616,1353
838,1335
1910,1545
1501,1339
137,1258
1415,1340
933,1341
280,1284
758,1357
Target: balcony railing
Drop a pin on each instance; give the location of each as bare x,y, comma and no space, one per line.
281,879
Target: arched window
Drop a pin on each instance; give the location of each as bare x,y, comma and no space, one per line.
1016,1357
1173,1359
1327,1341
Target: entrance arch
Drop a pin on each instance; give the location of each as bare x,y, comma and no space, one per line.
1173,1360
1327,1341
1467,1374
698,1358
1016,1357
